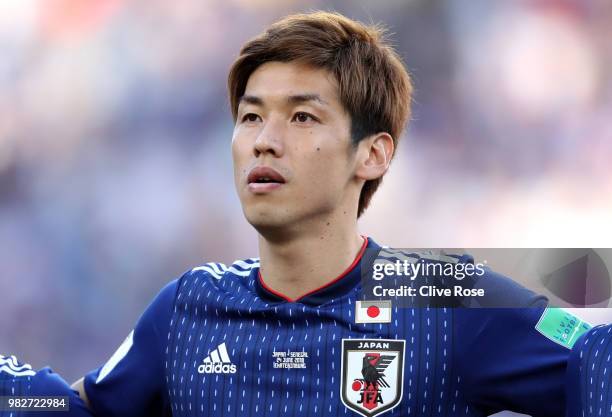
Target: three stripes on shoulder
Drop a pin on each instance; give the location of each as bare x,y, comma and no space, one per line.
240,267
9,365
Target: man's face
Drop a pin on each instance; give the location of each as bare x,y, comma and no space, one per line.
293,160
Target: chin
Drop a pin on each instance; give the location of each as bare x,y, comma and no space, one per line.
261,218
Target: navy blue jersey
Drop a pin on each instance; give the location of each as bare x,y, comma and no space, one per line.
219,342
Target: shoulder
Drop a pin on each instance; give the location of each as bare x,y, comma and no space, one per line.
10,368
448,269
535,330
501,291
239,268
215,277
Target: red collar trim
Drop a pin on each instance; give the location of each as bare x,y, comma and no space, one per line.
338,278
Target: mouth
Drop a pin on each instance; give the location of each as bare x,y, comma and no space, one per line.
264,179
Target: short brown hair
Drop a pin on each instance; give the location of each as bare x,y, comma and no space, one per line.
374,86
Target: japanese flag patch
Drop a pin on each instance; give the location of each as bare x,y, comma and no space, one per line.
373,311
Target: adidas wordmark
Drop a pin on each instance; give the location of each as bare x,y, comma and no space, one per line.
218,362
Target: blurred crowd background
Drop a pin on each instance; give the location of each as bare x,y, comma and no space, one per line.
115,165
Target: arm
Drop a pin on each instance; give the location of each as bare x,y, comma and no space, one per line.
132,381
520,367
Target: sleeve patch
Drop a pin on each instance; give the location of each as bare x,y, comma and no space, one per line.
561,326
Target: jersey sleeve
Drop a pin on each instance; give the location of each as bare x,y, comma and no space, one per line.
19,380
132,382
508,361
589,374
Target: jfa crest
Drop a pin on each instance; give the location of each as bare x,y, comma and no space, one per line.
372,375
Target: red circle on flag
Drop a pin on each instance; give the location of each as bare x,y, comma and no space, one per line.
373,311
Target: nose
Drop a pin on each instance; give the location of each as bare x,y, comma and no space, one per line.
270,139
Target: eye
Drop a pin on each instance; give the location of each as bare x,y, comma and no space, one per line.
303,117
250,118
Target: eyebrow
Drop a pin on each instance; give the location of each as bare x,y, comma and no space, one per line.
250,100
293,99
303,98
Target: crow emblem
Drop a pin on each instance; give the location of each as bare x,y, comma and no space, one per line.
374,365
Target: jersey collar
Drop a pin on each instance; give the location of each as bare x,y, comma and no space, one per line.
335,288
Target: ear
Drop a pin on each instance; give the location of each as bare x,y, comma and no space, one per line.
374,156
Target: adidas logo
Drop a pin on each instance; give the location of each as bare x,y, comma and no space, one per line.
218,362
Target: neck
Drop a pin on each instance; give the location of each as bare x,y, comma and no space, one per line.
309,260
